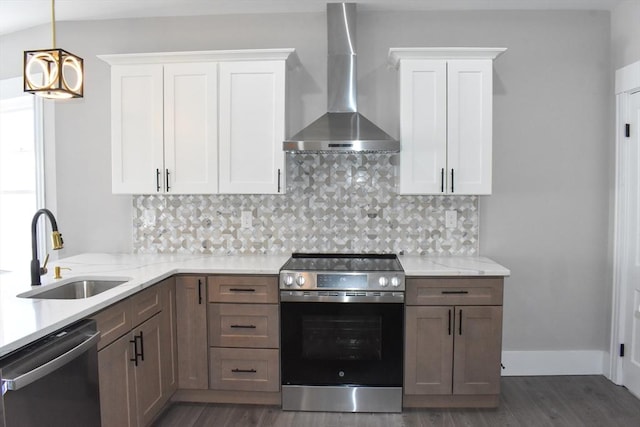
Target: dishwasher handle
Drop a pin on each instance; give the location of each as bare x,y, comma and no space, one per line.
35,374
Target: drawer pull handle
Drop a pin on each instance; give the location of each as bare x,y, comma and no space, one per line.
242,290
243,326
244,371
455,292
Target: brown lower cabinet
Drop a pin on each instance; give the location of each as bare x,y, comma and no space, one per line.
191,323
216,339
245,369
244,333
453,352
228,331
137,369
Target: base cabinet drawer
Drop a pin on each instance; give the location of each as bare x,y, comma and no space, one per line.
243,325
454,291
113,322
243,289
244,369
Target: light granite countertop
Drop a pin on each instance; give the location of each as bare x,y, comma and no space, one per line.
415,265
24,320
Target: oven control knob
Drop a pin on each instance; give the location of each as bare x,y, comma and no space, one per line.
288,280
383,281
395,282
300,281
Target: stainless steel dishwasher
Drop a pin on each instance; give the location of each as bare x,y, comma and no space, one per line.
54,381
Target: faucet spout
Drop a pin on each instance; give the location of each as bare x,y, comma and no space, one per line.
56,239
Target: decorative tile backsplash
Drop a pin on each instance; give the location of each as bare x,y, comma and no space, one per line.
333,203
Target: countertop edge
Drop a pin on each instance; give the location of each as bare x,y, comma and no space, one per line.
148,270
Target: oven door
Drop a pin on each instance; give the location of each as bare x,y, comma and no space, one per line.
338,343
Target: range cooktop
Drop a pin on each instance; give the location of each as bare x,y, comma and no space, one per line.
343,262
371,272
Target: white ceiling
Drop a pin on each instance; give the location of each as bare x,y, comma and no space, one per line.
20,14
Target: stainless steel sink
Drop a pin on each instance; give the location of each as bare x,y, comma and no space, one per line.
78,289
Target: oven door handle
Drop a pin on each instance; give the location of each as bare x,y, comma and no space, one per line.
342,297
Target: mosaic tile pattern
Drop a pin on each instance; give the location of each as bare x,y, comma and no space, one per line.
334,203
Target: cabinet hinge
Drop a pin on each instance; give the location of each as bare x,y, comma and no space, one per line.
627,130
621,350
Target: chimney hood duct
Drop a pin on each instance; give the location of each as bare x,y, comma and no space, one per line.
342,129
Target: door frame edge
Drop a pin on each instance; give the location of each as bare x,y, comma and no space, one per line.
627,81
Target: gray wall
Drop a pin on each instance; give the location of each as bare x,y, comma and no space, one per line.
547,218
625,33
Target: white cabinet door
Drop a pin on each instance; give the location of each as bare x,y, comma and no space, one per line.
445,126
423,126
191,128
136,128
251,111
470,91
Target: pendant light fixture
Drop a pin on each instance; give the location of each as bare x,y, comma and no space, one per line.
53,73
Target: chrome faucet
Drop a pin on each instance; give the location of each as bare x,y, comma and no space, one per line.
56,239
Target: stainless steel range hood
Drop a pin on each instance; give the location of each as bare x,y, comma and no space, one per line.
343,128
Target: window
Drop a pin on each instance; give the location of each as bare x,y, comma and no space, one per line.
21,172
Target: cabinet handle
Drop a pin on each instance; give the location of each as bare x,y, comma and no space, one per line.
242,290
454,292
168,187
199,292
158,180
279,180
134,341
137,354
244,371
442,180
243,326
449,322
460,324
141,347
452,190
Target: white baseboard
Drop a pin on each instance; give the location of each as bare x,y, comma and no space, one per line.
571,362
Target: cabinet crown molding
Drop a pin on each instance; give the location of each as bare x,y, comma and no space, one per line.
201,56
398,53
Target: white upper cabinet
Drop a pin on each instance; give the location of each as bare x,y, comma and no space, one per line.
252,122
423,126
445,119
136,128
198,122
191,128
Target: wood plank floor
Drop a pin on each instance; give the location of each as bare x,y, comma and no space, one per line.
526,401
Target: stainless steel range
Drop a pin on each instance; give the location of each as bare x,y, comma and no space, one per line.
342,319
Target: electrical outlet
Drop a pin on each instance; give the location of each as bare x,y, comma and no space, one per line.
451,219
246,219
